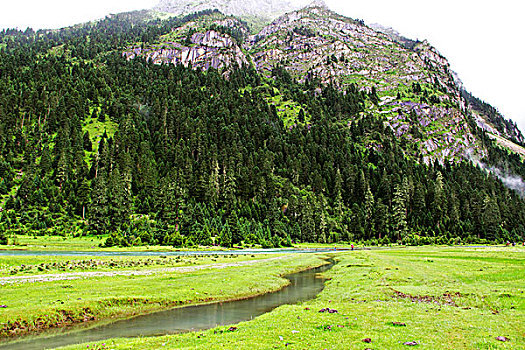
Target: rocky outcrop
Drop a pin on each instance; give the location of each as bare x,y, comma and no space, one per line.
341,51
420,97
210,49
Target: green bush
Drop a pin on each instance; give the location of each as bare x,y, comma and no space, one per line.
3,238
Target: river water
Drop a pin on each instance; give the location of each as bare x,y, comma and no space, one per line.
303,286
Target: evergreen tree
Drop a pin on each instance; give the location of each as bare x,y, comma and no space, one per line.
83,198
491,218
3,236
225,238
98,209
87,145
399,210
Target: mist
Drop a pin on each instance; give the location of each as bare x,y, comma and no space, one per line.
511,181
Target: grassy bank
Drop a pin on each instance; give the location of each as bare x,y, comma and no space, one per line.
92,244
85,243
459,298
33,307
31,265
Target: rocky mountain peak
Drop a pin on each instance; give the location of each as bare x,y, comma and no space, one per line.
413,89
318,4
263,9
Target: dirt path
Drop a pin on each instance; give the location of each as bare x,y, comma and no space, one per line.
79,275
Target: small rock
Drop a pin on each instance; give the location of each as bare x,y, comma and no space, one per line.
411,343
367,340
502,338
399,324
332,311
232,329
3,306
281,338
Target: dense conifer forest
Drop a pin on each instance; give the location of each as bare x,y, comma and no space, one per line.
91,143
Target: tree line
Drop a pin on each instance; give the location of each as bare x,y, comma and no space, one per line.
197,159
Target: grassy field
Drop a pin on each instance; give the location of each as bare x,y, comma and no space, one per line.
439,298
32,307
56,243
91,243
85,243
31,265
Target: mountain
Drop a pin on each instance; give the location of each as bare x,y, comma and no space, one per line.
255,11
261,8
394,35
416,89
194,130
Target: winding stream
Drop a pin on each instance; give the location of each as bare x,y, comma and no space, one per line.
304,286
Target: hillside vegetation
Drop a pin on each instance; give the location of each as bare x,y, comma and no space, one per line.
97,138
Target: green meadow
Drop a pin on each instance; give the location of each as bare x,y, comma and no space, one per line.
437,298
434,298
83,243
32,307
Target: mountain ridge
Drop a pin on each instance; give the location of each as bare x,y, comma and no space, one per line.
256,11
512,132
305,38
192,131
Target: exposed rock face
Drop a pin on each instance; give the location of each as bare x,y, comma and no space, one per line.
340,51
490,119
211,50
420,98
394,35
196,44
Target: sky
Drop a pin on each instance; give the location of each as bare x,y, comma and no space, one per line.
483,40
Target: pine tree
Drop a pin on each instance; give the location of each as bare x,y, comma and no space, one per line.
117,208
399,210
300,118
45,161
439,200
491,218
338,197
369,212
83,198
233,224
3,236
213,188
62,170
307,222
225,238
88,146
98,209
381,219
229,191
